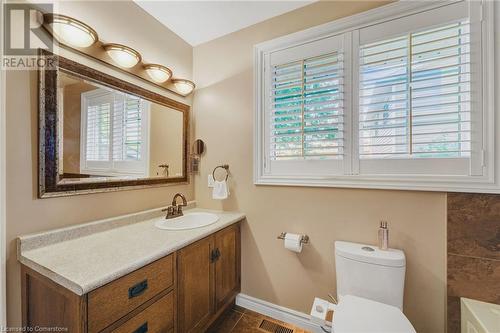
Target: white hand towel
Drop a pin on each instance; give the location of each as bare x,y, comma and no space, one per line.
220,190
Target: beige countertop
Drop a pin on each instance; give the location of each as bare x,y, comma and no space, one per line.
85,257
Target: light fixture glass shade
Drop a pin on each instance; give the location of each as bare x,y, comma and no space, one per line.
70,31
158,73
123,55
183,87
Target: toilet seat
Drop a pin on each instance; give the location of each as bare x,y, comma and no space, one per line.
360,315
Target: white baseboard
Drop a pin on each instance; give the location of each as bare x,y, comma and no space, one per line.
277,312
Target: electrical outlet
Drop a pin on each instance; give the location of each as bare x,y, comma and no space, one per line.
210,180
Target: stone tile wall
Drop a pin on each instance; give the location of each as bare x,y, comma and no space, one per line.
473,251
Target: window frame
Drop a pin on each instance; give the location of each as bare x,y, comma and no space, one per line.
112,168
487,182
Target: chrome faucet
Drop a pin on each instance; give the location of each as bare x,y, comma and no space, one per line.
175,210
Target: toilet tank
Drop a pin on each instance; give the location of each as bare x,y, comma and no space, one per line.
368,272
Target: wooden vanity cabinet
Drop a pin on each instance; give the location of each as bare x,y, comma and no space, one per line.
208,279
113,301
47,304
227,265
195,285
144,298
185,291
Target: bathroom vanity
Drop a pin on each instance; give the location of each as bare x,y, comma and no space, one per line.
126,275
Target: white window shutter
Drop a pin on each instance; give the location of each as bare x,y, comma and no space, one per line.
127,129
96,118
401,102
415,95
306,108
441,92
307,115
383,99
115,134
415,99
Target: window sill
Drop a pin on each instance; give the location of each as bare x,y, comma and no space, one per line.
413,183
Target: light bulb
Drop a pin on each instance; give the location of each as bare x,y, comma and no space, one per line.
123,55
70,31
158,73
183,87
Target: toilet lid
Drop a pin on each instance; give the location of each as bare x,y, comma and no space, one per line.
360,315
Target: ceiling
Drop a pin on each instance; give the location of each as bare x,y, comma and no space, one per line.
198,22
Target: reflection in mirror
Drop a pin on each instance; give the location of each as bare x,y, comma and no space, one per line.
198,147
106,134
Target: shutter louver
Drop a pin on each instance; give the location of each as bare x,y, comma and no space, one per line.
415,95
307,109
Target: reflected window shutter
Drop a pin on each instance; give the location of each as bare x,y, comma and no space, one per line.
415,95
98,131
307,109
118,139
133,128
127,129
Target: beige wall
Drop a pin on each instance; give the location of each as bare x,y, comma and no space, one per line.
123,23
166,126
223,107
224,119
72,111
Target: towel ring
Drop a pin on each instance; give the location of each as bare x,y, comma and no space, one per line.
223,166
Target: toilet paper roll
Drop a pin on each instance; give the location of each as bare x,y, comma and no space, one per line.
292,242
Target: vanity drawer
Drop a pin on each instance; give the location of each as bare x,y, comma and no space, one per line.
114,300
156,318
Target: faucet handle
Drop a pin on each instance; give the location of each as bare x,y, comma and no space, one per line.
170,211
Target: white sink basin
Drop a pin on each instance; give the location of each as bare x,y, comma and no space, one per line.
187,221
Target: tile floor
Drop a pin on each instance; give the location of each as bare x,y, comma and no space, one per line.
240,320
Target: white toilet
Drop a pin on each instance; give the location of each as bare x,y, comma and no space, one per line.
370,286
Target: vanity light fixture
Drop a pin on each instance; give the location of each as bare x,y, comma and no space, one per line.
183,86
70,31
158,73
82,38
123,55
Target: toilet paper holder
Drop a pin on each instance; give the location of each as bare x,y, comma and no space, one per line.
303,240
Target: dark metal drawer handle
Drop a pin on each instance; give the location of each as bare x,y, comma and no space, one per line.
138,289
142,329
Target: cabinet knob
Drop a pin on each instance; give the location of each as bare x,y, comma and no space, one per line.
214,255
217,254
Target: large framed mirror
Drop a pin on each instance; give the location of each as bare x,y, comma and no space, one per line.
99,133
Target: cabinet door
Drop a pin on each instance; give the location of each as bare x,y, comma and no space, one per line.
227,266
195,286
